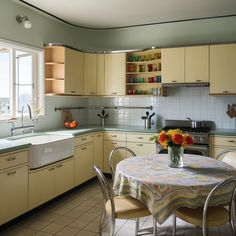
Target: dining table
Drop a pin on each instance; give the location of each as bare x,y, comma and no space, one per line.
164,189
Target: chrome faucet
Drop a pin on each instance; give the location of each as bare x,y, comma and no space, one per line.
31,126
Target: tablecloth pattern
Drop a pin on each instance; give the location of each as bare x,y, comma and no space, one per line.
164,189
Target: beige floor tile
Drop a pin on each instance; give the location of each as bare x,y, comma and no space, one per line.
65,220
19,231
48,216
78,223
52,228
76,213
93,227
43,234
68,231
86,233
37,224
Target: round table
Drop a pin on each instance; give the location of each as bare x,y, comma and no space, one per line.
164,189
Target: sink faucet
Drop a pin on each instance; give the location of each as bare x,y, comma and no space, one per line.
22,121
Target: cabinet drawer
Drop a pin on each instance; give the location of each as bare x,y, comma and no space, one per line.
115,136
83,139
142,138
224,141
13,159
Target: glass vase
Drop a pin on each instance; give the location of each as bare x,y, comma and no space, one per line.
176,156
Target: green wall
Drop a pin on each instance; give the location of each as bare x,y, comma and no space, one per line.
46,29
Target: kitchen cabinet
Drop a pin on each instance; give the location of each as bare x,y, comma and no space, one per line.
48,182
220,143
223,69
115,74
84,159
98,149
140,144
14,185
197,64
111,141
100,74
172,61
143,73
63,71
90,74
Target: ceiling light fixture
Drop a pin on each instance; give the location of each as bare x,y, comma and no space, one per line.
25,19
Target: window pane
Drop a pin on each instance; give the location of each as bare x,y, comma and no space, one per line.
4,82
24,93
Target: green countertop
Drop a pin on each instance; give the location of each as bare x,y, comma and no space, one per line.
13,143
226,132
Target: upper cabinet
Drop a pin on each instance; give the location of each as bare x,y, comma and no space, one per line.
115,74
223,69
172,65
197,64
100,74
63,71
90,74
185,64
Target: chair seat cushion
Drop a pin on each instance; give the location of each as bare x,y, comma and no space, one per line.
127,207
216,216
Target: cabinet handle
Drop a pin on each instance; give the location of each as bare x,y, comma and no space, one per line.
113,136
51,169
84,148
139,137
83,139
73,91
93,93
231,141
198,80
174,81
59,166
139,145
225,91
114,143
11,173
99,135
11,158
114,93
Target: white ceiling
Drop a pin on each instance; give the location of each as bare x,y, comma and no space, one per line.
123,13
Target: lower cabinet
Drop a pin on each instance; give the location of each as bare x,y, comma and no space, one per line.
221,143
14,193
83,163
48,182
98,150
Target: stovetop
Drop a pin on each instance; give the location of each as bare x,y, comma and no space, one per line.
204,129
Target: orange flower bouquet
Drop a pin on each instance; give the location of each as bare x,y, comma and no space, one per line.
175,140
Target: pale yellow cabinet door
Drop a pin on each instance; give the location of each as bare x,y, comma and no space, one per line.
83,163
14,193
90,74
172,65
115,69
118,156
223,69
41,186
142,149
98,150
100,74
74,75
64,176
197,64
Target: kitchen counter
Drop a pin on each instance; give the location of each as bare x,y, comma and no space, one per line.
226,132
10,144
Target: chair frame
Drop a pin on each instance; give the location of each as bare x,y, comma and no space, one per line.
206,205
218,157
108,195
111,159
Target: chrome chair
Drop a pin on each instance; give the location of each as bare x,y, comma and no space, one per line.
111,158
210,216
119,207
228,156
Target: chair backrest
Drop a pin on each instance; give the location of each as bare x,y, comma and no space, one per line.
111,158
228,156
231,185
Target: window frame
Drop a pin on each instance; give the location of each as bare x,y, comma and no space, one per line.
38,95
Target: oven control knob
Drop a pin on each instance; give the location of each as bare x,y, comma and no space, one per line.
202,139
195,139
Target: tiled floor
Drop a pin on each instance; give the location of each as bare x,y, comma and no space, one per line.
78,213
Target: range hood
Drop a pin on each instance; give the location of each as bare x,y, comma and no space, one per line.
199,84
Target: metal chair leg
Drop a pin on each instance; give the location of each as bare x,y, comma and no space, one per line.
113,224
136,226
101,222
154,227
174,225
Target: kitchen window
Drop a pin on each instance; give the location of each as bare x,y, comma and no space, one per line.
21,80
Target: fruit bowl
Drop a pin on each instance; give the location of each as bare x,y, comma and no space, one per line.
70,124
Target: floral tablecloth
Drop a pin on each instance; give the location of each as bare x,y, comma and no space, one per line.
164,189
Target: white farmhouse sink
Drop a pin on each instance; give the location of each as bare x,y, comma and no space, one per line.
48,148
